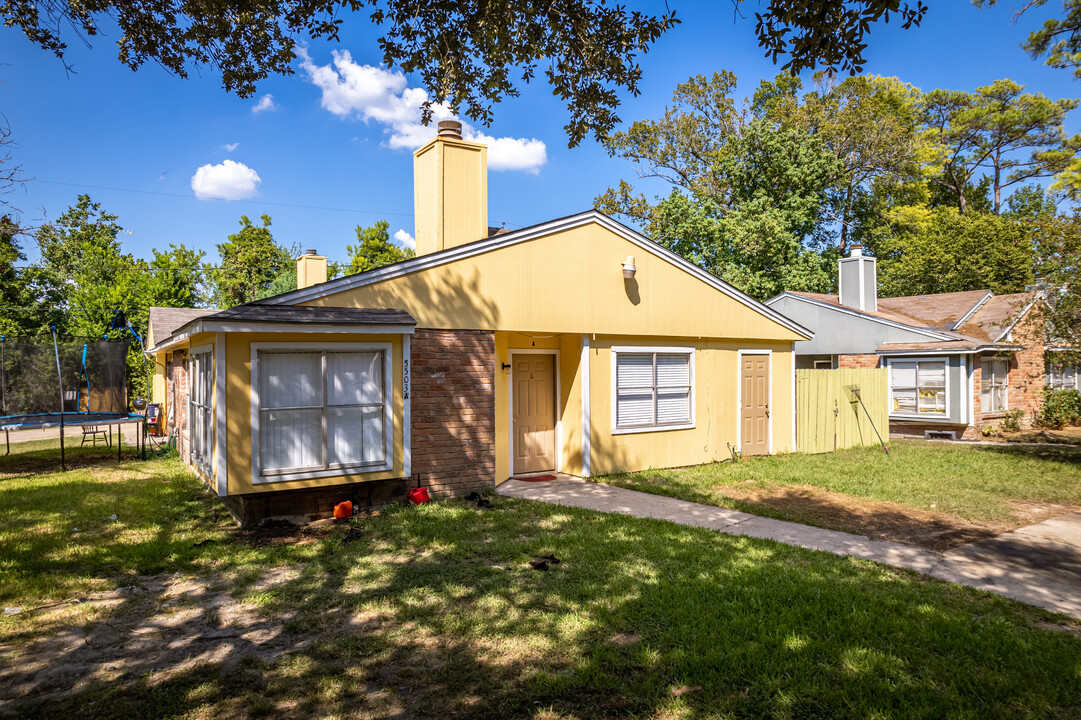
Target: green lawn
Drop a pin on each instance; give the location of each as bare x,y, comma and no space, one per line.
434,612
979,483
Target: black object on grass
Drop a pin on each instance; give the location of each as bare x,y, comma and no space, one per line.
483,503
473,496
539,564
353,534
550,558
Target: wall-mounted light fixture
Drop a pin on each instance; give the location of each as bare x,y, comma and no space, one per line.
629,268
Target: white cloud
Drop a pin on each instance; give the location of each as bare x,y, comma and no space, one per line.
405,239
230,147
226,181
366,92
265,103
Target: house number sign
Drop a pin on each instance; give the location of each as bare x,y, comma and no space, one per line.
405,378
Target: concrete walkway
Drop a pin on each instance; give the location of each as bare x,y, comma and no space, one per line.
1039,565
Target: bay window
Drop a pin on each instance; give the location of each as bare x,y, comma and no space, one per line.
994,385
653,388
918,387
322,410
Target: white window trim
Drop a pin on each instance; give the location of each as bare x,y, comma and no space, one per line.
1005,384
220,426
1063,366
207,468
615,351
769,400
554,352
586,429
257,477
917,415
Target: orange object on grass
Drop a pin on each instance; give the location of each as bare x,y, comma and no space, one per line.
343,510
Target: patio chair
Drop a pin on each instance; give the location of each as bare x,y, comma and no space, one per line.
93,431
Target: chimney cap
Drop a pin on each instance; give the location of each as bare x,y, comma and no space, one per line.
857,250
310,251
450,129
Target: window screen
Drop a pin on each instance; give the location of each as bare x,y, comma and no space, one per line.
321,409
918,387
653,389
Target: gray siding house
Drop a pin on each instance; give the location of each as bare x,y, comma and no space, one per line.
956,361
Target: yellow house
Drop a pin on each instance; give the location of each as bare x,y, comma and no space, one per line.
575,346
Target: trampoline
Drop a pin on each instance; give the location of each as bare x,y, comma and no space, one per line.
48,383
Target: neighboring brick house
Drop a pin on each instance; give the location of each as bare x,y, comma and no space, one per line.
958,361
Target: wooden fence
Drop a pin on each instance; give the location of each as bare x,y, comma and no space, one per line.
829,415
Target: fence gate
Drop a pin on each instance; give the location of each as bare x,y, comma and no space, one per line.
829,415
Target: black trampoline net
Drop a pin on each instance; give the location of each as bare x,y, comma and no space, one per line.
93,375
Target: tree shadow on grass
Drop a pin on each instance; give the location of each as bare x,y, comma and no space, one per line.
442,615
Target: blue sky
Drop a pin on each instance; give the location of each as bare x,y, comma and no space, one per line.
330,156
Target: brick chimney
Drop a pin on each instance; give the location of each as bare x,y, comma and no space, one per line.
450,190
311,269
857,280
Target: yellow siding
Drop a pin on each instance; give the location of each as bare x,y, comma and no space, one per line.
238,402
157,392
716,407
566,282
830,416
570,398
450,194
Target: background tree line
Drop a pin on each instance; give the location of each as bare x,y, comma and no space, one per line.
83,276
943,187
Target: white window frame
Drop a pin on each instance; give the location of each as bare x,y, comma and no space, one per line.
202,461
918,415
644,349
1005,383
258,477
828,365
1060,385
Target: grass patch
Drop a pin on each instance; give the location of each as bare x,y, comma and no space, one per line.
435,612
978,483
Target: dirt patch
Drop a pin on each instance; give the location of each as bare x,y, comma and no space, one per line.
156,628
1065,436
880,520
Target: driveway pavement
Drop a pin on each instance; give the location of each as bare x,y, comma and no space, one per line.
1039,564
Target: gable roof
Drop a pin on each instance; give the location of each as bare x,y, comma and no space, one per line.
883,316
996,317
164,321
941,310
507,239
959,321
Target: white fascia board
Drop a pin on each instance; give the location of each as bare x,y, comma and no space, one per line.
856,313
944,351
1019,317
225,326
497,242
972,311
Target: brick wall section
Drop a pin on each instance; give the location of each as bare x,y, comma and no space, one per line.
869,360
453,407
176,393
1026,377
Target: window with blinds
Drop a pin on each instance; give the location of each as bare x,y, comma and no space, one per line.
321,410
994,383
200,399
653,389
918,387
